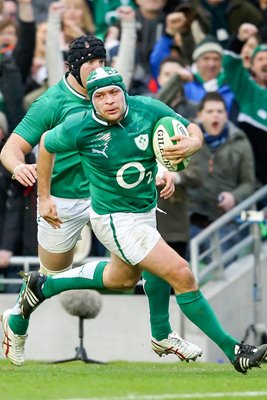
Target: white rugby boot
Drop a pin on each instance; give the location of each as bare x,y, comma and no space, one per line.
174,344
12,344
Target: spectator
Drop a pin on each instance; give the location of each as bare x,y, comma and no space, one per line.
24,50
250,90
150,18
185,27
248,49
226,166
76,21
55,53
208,76
121,54
112,41
38,76
227,15
64,25
148,26
10,77
9,36
16,59
169,67
104,14
18,229
10,11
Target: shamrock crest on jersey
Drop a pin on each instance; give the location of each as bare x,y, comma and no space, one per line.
141,142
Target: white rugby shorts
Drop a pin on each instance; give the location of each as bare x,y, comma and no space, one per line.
131,236
75,215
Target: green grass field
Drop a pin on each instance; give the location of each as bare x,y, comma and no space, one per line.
129,381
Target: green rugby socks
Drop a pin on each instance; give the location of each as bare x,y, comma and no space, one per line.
16,322
88,276
158,295
198,310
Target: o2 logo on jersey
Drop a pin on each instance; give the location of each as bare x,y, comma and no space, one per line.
142,173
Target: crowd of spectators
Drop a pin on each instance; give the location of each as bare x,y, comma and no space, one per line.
176,51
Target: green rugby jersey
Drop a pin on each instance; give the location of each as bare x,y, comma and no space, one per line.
117,159
49,110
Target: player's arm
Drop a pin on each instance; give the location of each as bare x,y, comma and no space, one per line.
13,159
47,206
186,146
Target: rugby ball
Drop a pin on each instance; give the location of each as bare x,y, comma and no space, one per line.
164,129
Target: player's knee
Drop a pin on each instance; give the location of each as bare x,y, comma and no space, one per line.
182,277
48,272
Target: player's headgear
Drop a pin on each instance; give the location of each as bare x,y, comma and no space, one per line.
83,49
102,77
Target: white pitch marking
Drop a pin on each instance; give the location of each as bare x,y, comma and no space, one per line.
178,396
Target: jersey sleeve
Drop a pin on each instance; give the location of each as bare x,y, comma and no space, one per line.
35,122
247,92
236,75
60,139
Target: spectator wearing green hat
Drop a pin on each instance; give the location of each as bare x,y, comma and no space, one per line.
208,75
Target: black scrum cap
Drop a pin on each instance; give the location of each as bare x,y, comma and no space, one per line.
83,49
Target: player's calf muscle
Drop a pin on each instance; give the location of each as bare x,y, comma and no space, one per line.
125,280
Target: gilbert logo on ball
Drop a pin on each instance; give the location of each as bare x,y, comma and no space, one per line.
164,130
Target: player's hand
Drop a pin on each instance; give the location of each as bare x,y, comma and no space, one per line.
226,201
25,174
5,256
167,181
185,147
48,211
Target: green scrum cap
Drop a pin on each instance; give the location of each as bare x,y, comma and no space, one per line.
102,77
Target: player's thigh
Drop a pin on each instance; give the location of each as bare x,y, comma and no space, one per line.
75,215
120,275
167,264
130,236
